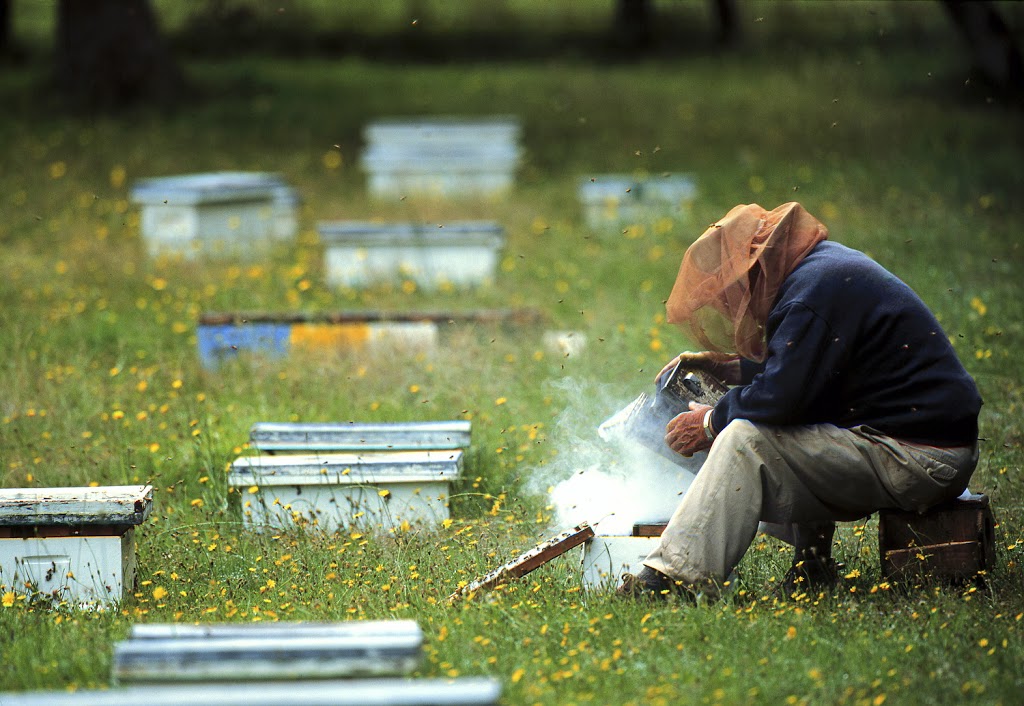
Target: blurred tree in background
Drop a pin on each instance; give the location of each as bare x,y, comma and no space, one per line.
110,53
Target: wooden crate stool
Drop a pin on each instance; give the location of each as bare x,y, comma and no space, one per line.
953,542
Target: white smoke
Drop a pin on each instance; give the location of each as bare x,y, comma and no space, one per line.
611,484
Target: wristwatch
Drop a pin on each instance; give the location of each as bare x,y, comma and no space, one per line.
709,431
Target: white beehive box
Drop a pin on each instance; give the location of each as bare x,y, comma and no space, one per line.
616,200
441,157
462,253
216,213
275,437
75,545
331,491
393,691
606,558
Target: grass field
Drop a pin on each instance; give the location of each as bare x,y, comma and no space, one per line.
854,112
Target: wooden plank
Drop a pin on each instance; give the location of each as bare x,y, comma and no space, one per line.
352,628
468,691
476,316
102,505
649,529
528,561
352,436
952,560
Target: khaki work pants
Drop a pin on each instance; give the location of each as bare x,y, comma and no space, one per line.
794,476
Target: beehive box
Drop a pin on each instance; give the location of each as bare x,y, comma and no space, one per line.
463,691
75,545
460,254
954,542
236,214
274,437
329,491
441,157
606,558
170,653
222,337
612,201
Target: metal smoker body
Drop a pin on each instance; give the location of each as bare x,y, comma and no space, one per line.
643,420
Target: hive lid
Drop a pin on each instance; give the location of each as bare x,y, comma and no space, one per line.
102,505
398,436
210,187
367,233
346,468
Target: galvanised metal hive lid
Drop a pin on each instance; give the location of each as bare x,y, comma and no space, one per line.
212,187
382,436
346,468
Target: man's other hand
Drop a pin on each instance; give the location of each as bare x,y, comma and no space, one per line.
685,433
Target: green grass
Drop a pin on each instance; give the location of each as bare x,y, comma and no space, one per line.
101,382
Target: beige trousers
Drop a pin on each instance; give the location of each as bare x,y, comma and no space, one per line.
793,476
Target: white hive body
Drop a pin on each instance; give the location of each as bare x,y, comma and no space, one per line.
341,436
75,545
460,254
378,490
612,201
238,214
441,157
606,558
400,691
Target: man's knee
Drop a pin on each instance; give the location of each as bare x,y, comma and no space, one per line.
740,434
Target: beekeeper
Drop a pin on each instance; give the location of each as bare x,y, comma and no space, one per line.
848,399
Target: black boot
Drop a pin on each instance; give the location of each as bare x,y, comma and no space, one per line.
810,573
813,568
648,583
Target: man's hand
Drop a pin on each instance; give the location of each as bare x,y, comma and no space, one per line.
685,433
723,366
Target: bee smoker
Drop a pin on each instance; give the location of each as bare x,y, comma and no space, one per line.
643,420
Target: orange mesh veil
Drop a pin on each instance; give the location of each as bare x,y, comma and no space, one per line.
731,274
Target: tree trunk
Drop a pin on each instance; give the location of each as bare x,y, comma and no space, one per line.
993,49
633,20
5,28
728,24
110,54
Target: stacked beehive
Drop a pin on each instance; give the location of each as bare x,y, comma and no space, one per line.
333,476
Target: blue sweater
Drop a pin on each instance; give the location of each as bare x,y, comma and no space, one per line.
850,344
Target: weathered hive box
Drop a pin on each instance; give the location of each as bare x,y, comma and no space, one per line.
953,542
216,213
221,337
195,653
464,691
330,491
273,437
607,557
74,544
617,200
441,157
361,253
